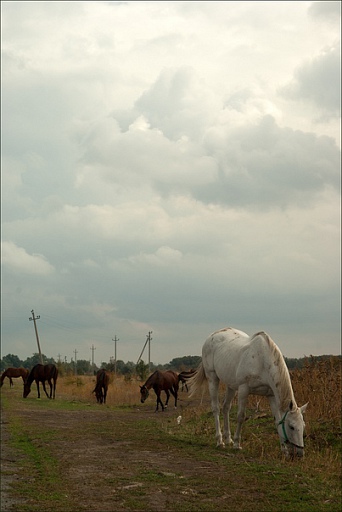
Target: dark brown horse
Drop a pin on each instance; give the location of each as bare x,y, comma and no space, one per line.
184,376
161,381
42,373
13,373
101,388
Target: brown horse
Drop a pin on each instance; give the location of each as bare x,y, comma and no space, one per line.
184,376
13,373
101,388
161,381
42,373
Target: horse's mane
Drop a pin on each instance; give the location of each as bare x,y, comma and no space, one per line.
150,378
283,377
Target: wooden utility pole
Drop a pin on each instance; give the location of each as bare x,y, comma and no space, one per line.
34,318
75,352
92,356
149,338
115,340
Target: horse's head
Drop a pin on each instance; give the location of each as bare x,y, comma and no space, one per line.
27,389
291,431
144,393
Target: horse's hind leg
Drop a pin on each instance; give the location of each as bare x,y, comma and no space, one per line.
213,381
174,393
50,384
242,400
226,410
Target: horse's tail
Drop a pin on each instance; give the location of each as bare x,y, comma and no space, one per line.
197,381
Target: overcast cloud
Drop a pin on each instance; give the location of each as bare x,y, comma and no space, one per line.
170,167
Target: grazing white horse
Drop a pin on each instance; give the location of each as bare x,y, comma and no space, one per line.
251,366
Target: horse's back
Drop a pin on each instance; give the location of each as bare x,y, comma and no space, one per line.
222,352
50,371
164,379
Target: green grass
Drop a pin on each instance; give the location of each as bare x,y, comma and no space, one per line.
256,477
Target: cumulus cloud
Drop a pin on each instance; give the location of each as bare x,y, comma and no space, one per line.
18,260
163,169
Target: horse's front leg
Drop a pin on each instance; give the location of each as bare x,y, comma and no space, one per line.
242,399
167,397
37,382
215,407
104,394
226,410
159,401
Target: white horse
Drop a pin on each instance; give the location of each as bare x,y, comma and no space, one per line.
251,366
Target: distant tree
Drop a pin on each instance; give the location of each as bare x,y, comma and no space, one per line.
10,361
83,367
293,363
183,363
142,370
35,359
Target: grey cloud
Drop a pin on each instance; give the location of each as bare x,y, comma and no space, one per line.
319,81
326,12
175,104
266,166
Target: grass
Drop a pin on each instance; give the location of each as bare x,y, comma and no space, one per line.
152,463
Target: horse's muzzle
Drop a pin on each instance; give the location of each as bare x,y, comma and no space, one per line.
293,451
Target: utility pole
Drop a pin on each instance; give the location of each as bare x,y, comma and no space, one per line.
92,355
115,340
75,352
149,338
34,318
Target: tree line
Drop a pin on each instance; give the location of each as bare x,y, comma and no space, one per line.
129,369
84,367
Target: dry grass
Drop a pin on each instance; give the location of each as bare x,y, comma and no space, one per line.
318,383
121,392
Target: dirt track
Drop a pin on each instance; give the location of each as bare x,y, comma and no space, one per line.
106,459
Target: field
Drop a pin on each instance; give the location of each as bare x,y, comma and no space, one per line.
73,455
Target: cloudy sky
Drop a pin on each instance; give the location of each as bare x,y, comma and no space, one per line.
171,167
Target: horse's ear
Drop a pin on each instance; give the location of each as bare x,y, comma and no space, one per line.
303,408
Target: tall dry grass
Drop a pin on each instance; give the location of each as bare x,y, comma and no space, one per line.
318,383
121,392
